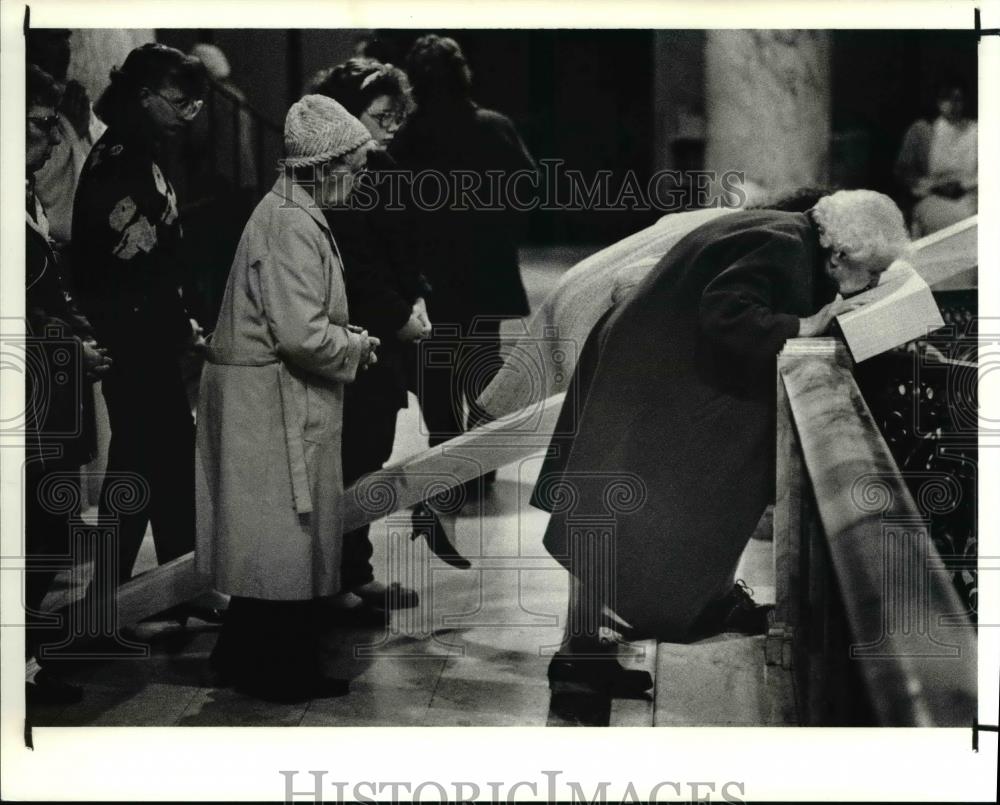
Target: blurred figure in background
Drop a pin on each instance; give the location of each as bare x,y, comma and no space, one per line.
60,416
224,138
469,256
126,240
938,163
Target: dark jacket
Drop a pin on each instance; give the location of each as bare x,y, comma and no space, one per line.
469,255
59,402
126,247
382,280
677,389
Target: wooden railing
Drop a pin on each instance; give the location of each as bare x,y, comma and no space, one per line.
865,615
396,487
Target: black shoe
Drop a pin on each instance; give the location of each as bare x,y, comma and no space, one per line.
596,674
184,612
48,689
393,596
734,612
427,524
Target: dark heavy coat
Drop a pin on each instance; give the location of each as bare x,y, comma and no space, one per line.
126,252
383,281
59,399
677,388
469,255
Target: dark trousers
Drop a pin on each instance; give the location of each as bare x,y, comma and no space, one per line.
366,444
152,437
453,371
47,549
270,649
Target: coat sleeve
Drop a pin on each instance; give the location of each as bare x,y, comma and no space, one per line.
738,309
293,286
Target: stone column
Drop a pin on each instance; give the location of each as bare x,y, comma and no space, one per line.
96,50
768,106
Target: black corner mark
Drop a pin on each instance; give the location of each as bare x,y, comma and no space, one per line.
28,741
976,727
980,31
27,19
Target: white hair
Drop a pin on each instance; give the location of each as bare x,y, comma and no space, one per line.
866,226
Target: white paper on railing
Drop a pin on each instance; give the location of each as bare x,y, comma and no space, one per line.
899,309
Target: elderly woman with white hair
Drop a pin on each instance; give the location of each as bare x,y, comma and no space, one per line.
670,421
269,480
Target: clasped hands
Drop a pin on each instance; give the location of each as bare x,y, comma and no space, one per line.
369,357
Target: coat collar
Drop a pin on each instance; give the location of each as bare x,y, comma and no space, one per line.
290,191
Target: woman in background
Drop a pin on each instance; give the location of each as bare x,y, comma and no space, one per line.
469,255
127,269
386,293
938,164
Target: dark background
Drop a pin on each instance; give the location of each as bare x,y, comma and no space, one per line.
599,99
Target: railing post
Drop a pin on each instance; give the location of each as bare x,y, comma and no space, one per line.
787,530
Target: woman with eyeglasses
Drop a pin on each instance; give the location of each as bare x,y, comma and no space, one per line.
387,295
126,246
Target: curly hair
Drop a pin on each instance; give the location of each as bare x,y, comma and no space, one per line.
358,81
866,226
438,69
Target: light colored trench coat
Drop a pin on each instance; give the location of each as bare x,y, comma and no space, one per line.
268,472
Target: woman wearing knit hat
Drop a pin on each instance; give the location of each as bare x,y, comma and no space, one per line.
269,481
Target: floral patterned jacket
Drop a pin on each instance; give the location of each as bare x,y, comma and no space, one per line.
126,247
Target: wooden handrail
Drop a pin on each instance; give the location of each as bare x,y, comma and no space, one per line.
397,486
893,586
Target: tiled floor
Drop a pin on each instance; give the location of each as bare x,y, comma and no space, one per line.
473,653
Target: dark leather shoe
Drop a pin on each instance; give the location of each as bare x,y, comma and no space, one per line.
48,689
182,613
427,524
394,596
597,675
734,612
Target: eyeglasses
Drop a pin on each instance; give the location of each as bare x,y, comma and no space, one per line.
45,124
388,118
186,109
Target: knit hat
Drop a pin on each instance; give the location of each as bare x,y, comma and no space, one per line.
318,129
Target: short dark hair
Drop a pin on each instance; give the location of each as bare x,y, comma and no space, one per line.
438,69
355,83
40,89
151,65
